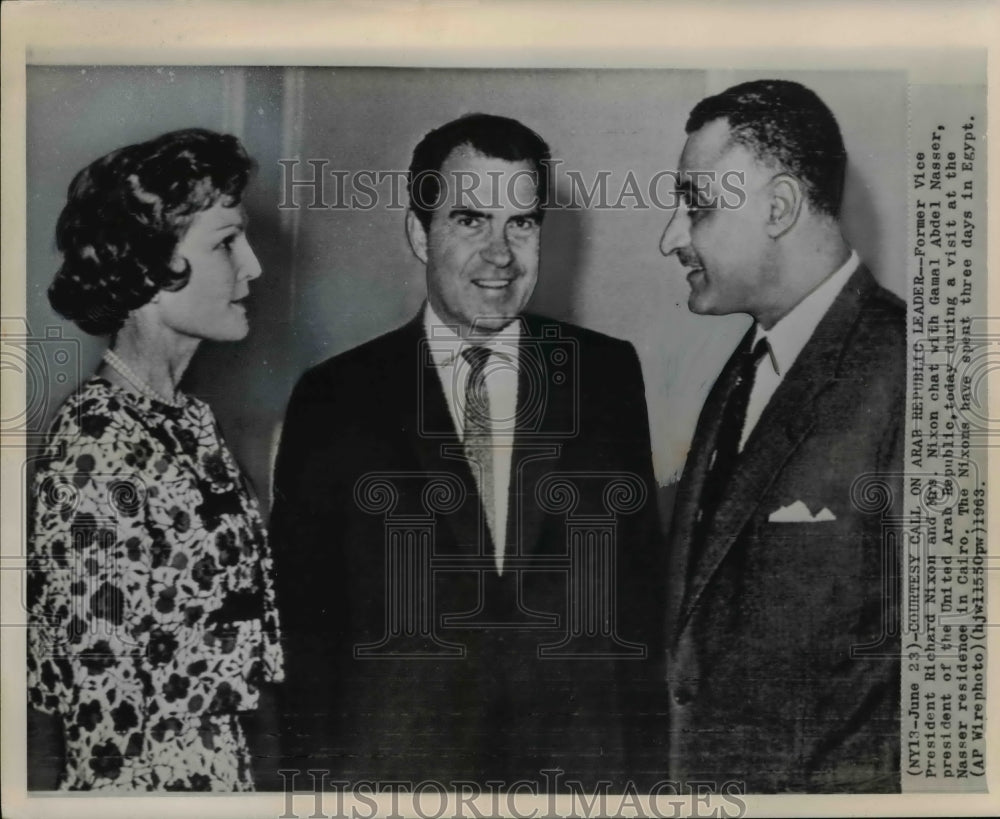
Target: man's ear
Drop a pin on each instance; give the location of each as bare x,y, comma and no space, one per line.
417,236
787,199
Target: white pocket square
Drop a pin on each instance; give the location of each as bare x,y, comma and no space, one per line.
798,512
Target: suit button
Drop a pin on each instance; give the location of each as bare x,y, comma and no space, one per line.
683,694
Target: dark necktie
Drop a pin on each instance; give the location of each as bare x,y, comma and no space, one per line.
728,439
478,438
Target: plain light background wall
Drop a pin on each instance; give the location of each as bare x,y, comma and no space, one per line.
334,278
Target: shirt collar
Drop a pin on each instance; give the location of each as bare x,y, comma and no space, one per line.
445,344
789,335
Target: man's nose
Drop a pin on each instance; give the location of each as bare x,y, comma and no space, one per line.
676,235
498,252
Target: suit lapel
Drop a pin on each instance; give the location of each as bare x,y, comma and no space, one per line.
544,414
428,424
544,408
784,424
697,467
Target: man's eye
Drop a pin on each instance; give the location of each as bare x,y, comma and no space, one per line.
524,223
697,211
470,221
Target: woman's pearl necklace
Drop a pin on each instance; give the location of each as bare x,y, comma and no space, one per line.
126,372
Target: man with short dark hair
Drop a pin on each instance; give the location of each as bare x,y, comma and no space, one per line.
783,658
460,507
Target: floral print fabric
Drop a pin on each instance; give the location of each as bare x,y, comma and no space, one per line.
150,594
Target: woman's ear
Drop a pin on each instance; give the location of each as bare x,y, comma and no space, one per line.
179,264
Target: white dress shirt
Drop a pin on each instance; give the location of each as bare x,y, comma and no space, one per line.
787,338
501,387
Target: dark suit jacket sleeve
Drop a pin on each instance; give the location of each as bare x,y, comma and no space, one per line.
641,582
865,757
641,547
301,578
289,518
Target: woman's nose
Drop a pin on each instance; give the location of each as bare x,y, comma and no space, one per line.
250,267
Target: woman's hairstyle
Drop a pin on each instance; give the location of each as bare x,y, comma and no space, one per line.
124,216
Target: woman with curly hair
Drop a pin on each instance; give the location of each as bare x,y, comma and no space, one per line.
150,591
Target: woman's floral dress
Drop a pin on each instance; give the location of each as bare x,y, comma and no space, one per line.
150,595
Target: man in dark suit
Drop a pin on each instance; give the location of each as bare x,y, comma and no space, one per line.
460,506
783,660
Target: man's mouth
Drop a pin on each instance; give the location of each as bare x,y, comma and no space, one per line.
493,284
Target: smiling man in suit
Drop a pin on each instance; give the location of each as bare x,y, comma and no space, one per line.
460,506
783,656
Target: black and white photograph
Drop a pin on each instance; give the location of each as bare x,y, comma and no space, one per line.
414,436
